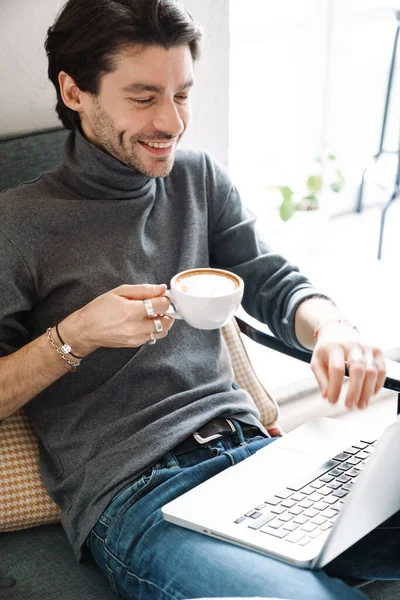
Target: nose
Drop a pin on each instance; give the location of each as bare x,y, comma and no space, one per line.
167,119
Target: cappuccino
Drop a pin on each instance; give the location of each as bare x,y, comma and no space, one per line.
207,283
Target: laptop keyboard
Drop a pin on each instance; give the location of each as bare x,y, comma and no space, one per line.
309,506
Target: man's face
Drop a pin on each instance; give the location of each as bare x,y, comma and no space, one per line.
143,108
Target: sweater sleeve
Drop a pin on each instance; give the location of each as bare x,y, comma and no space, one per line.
273,287
16,298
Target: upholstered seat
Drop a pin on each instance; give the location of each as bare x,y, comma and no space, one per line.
36,560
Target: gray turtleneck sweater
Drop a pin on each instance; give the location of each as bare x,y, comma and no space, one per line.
87,227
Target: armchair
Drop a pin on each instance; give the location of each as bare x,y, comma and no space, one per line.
36,561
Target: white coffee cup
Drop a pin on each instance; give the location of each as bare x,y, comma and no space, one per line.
205,298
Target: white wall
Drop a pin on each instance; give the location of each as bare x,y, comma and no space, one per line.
27,97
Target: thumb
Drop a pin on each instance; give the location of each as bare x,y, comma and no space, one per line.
140,292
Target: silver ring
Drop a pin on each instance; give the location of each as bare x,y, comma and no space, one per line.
356,355
148,304
152,340
158,325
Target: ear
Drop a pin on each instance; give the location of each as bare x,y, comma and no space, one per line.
71,94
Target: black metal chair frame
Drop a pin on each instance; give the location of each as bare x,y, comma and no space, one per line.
396,190
272,342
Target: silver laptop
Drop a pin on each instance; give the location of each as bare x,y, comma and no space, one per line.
304,498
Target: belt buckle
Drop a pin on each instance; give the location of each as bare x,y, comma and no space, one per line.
216,436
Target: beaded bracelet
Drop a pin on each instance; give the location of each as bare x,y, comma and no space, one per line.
66,347
343,321
74,364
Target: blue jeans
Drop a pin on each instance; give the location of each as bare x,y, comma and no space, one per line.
146,558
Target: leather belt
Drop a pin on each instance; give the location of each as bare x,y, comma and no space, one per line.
213,430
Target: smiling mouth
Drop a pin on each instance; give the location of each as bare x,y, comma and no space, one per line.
158,148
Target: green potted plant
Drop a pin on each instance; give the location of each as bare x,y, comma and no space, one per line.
326,177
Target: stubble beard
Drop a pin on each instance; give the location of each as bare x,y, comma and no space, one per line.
117,144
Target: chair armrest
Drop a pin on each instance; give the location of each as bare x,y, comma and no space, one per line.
392,381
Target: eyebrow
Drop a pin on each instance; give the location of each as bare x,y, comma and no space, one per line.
144,87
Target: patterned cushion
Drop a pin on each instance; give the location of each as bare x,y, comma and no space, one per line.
245,376
23,499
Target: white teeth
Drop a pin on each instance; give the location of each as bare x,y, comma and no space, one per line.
158,144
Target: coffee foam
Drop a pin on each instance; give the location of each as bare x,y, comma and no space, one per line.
207,284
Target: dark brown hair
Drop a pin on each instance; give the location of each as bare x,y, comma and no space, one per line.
88,34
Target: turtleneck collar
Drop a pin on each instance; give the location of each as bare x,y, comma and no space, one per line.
91,173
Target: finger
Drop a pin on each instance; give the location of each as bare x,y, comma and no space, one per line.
320,373
356,381
368,387
381,366
336,371
147,327
140,292
160,305
275,431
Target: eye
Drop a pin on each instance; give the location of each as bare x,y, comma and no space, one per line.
182,97
142,102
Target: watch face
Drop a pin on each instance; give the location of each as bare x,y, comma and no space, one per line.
66,348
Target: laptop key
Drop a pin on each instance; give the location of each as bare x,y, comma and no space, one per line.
326,478
324,503
263,520
306,503
317,484
295,510
316,497
311,512
297,496
286,517
329,513
307,490
308,527
288,503
305,541
291,526
330,499
351,450
347,487
279,533
315,533
308,477
284,494
275,524
353,472
344,466
239,520
343,478
255,515
261,506
318,520
361,445
334,485
296,536
363,454
278,510
353,460
341,456
326,526
300,519
340,493
335,472
273,500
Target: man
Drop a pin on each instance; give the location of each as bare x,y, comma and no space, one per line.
84,254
